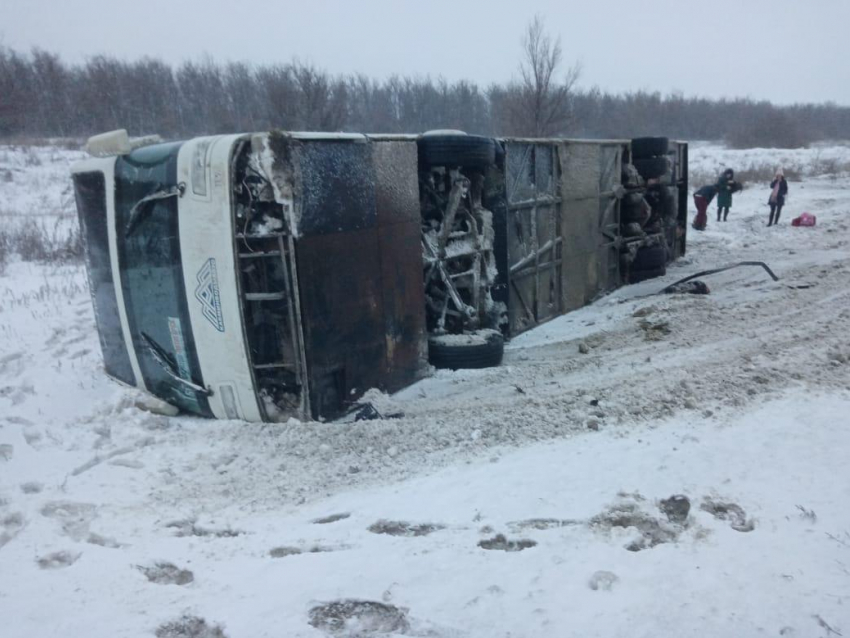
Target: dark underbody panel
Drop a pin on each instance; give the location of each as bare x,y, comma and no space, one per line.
345,213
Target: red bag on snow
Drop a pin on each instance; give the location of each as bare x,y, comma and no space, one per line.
806,219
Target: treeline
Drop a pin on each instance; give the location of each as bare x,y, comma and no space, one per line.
43,96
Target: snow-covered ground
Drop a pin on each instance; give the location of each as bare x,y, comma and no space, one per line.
116,522
34,183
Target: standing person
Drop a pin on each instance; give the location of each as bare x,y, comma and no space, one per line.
702,198
778,191
725,187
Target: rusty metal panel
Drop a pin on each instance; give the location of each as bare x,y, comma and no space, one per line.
360,269
548,225
592,173
610,169
495,200
580,217
682,201
533,233
396,184
400,247
337,191
403,296
343,316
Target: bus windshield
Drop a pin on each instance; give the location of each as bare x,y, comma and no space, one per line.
146,210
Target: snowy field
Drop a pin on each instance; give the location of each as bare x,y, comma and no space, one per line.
115,522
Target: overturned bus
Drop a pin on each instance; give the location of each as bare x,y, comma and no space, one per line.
268,276
564,221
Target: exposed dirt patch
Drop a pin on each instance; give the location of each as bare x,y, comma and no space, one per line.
189,627
499,542
359,618
333,518
403,528
654,330
57,560
644,312
629,515
166,574
728,511
676,508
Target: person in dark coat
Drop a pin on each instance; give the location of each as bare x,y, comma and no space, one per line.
778,191
702,198
726,185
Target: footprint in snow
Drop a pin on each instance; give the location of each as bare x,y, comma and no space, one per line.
283,552
74,340
189,627
32,487
10,526
375,618
500,543
103,541
134,465
75,518
603,581
403,528
16,394
333,518
57,560
541,524
728,511
7,361
18,420
189,527
163,573
32,437
58,333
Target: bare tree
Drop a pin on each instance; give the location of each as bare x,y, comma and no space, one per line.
40,95
541,103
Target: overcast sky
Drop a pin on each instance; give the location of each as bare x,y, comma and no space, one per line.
782,50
